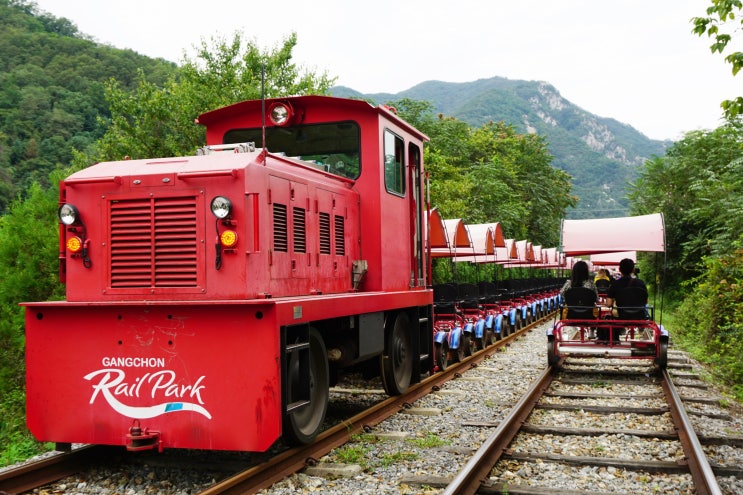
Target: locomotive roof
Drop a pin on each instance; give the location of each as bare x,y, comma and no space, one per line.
352,106
115,170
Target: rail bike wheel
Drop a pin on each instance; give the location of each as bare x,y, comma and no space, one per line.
441,354
397,360
457,355
302,425
552,358
466,344
662,359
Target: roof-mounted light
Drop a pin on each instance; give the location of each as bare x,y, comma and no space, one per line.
280,113
68,214
221,207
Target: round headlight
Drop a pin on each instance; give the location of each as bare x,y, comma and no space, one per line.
221,207
68,214
280,113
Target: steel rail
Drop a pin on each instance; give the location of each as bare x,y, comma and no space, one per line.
704,478
293,460
34,474
469,479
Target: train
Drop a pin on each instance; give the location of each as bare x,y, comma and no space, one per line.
212,300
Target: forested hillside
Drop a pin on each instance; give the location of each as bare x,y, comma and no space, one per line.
52,81
601,154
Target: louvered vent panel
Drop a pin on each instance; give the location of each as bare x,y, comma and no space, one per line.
280,230
299,231
153,243
340,236
175,242
324,233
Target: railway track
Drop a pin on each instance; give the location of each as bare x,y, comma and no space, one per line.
258,475
38,473
291,461
583,417
571,385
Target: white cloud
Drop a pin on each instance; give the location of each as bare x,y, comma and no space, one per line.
632,60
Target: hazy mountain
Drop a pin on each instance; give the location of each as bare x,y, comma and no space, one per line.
601,154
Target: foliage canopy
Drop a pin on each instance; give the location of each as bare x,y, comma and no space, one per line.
718,25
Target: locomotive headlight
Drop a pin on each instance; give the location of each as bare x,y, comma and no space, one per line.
74,244
221,207
228,238
280,113
68,214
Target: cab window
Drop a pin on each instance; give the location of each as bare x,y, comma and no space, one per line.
394,163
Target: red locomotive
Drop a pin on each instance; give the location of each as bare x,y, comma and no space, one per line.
211,299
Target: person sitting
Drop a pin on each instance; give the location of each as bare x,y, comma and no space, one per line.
602,281
628,295
579,278
580,292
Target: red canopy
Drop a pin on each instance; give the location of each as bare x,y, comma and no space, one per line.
608,235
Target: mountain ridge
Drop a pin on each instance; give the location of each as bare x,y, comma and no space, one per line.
600,153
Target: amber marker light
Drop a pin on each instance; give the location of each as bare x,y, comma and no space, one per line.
228,238
74,244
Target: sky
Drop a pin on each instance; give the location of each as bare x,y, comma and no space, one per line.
635,61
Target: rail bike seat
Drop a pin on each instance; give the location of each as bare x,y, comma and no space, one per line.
631,303
445,293
445,299
580,303
468,296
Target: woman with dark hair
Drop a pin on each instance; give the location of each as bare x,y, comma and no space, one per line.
579,278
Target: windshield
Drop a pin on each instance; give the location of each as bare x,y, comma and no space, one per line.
334,147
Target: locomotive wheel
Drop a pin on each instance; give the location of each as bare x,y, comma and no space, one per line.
397,360
489,338
441,353
302,425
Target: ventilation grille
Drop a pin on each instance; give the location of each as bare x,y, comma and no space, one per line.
280,231
299,231
340,236
153,243
324,233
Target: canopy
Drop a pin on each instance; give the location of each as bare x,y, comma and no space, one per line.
448,238
610,235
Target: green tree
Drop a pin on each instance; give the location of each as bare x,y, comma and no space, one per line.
156,121
492,174
28,261
52,92
698,185
719,23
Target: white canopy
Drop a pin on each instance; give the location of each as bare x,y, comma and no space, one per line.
609,235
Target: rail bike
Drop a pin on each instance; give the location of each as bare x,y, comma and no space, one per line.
585,324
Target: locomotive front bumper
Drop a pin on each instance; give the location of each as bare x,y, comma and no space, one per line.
201,375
